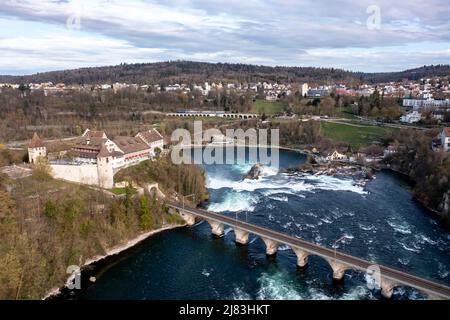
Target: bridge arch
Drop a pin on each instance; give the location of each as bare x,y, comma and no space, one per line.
271,246
338,268
217,228
302,257
388,287
241,236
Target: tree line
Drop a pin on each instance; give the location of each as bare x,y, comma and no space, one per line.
199,72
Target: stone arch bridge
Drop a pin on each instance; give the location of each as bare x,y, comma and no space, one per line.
388,278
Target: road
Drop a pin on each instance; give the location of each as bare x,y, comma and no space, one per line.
394,275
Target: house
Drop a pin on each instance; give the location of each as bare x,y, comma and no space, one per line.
390,150
318,92
418,104
445,139
438,114
153,139
336,156
411,117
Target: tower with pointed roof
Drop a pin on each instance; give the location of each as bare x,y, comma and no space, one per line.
36,149
105,168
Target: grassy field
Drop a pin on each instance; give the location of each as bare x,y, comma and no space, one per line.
345,112
268,107
355,136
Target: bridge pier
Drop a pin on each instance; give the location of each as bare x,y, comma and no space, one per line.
241,236
302,257
217,228
338,269
189,218
271,246
387,287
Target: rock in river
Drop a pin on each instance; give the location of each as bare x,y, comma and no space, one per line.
255,172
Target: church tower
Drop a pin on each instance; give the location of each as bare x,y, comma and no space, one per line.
36,149
105,168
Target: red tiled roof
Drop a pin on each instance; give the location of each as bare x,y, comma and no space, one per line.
94,134
130,144
104,152
97,134
90,143
150,136
36,142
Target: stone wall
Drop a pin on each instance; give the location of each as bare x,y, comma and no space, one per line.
84,173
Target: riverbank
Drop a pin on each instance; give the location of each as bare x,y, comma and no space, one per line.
96,263
431,211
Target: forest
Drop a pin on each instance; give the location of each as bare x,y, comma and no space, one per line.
47,225
429,170
199,72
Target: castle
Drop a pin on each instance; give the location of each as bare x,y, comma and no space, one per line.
94,158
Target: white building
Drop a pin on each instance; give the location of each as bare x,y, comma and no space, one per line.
418,104
445,139
95,158
390,150
336,156
411,117
304,89
153,139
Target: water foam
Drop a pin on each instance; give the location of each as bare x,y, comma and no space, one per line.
402,228
279,198
409,248
366,228
424,239
277,286
235,202
443,271
206,273
271,182
240,294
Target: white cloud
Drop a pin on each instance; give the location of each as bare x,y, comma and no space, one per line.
283,32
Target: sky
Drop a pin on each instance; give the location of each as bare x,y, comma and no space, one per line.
364,35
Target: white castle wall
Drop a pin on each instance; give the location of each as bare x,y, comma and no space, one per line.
84,173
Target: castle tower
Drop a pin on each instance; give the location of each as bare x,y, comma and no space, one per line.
105,168
36,149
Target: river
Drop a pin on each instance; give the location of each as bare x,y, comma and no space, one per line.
381,221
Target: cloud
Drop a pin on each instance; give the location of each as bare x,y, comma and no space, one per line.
283,32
